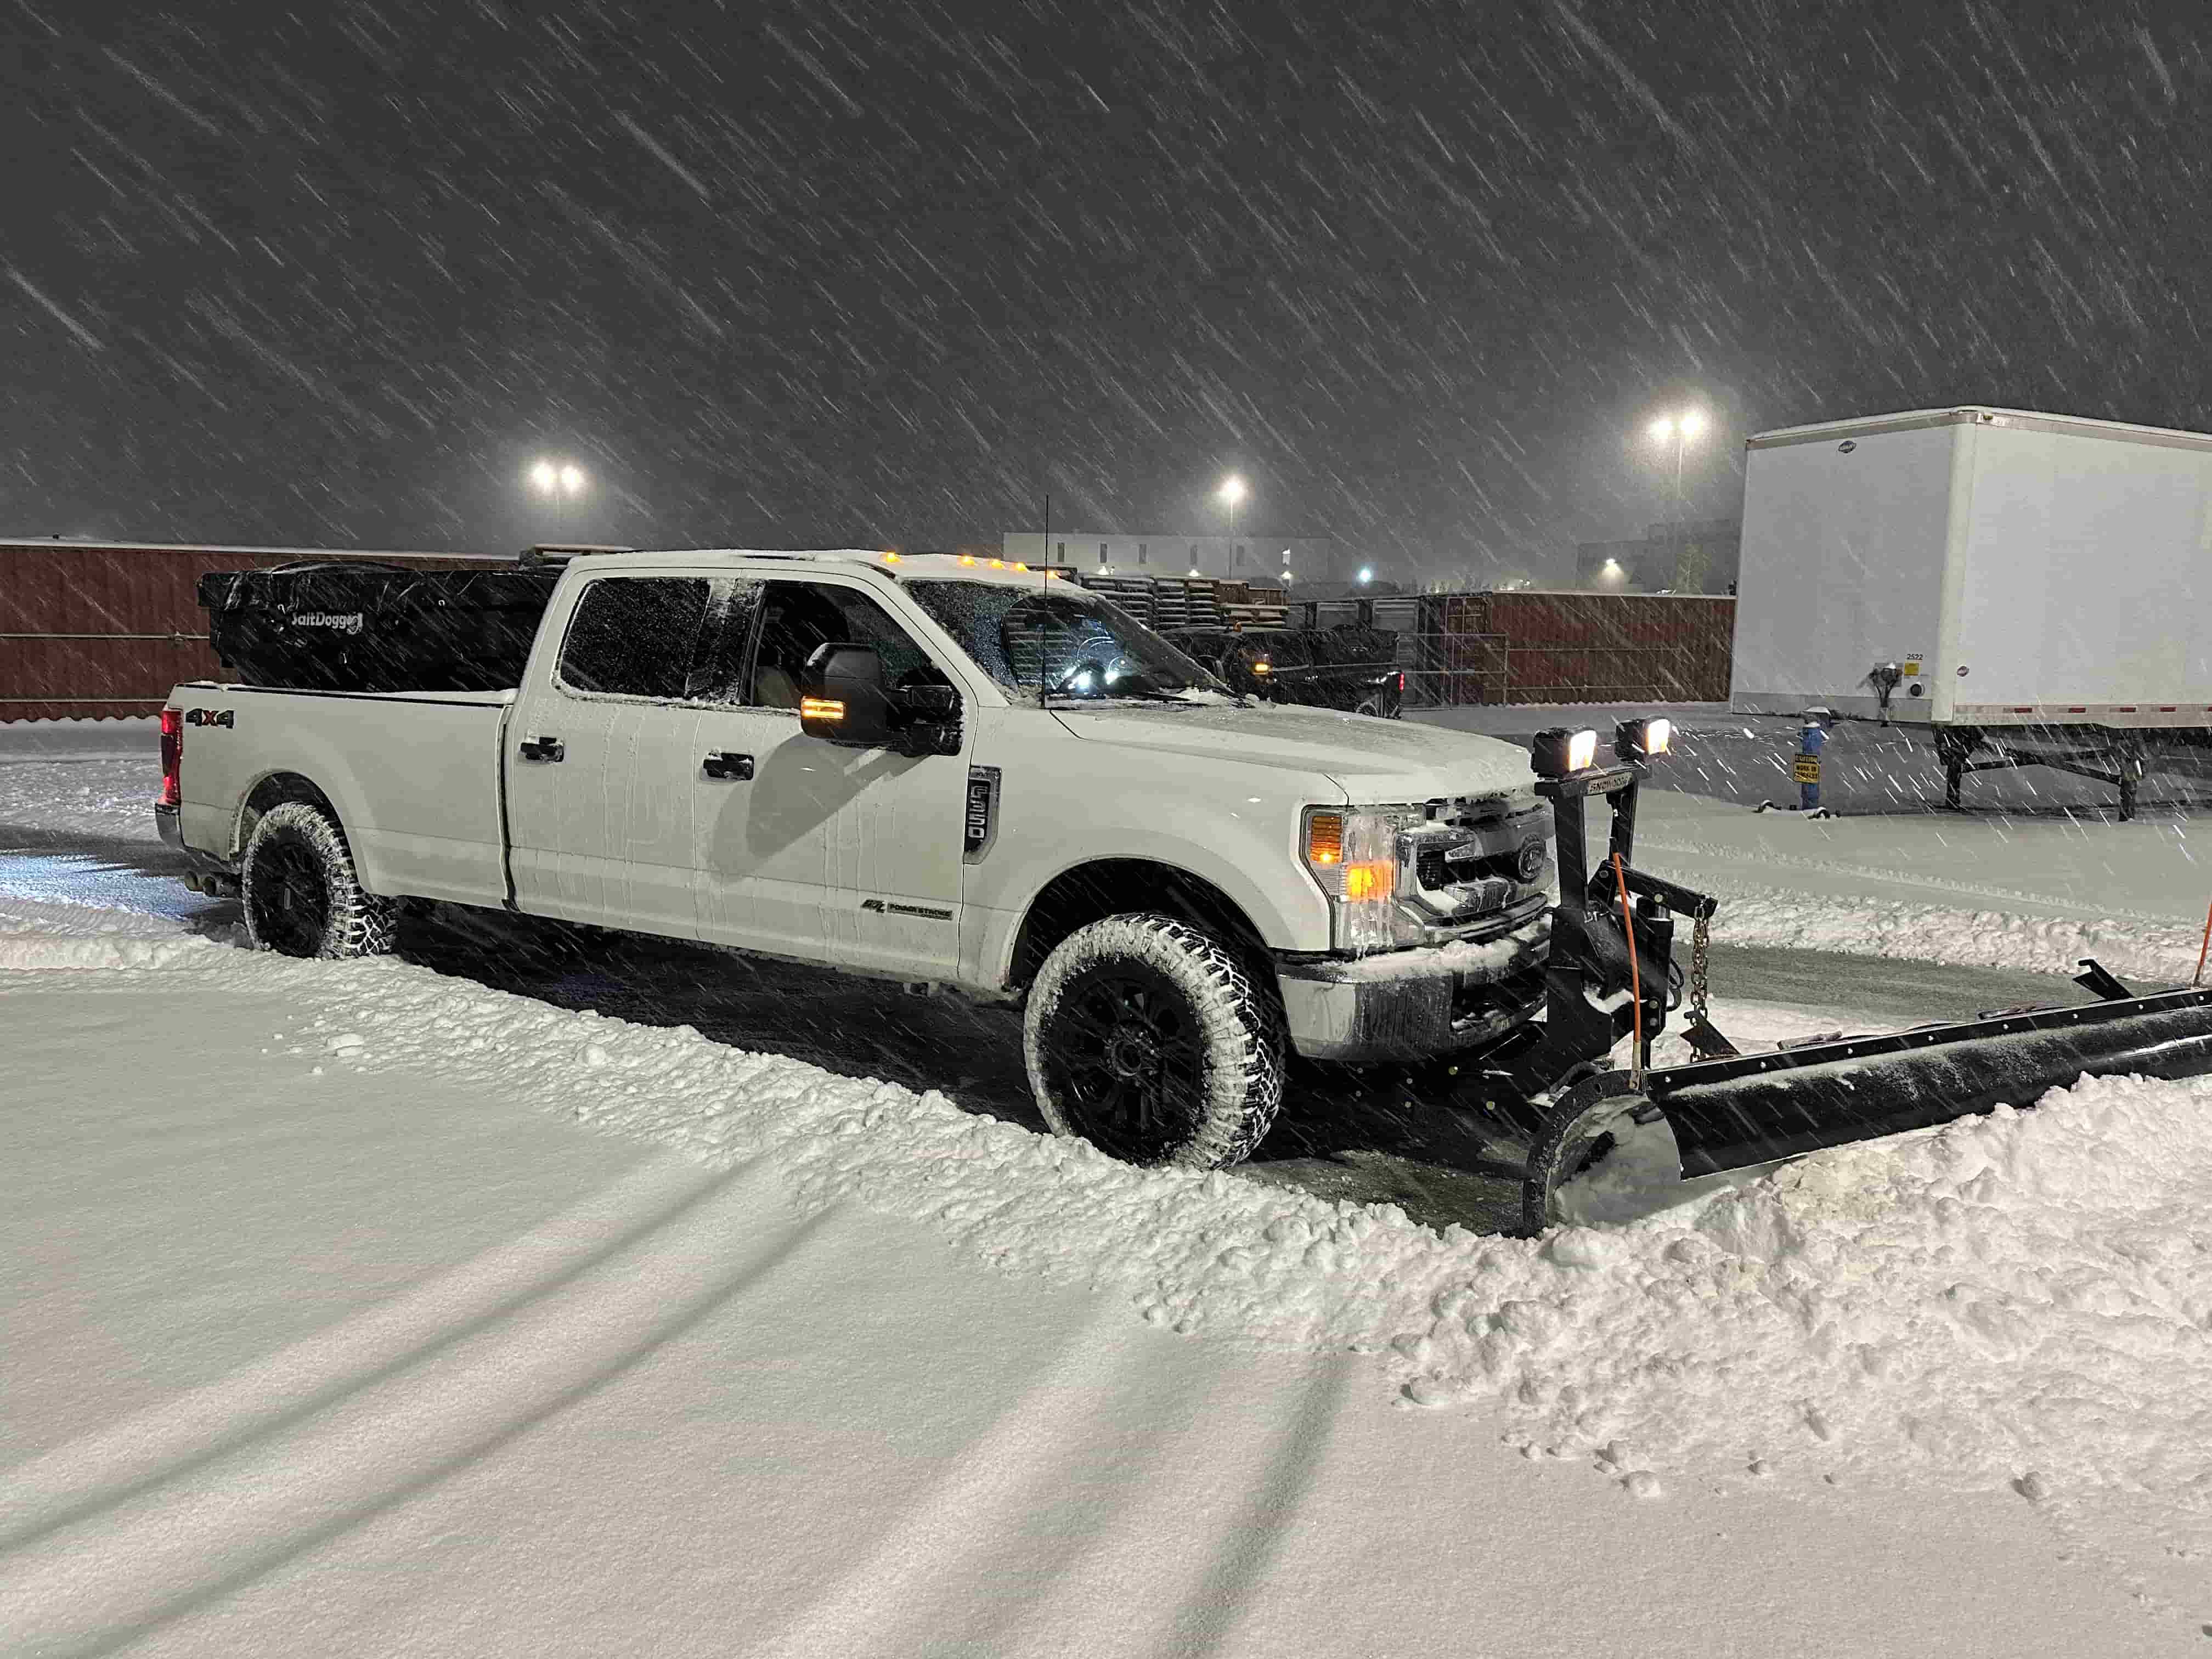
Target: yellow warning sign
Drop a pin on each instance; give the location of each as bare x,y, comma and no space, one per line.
1912,668
1807,769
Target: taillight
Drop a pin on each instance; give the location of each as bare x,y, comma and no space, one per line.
173,757
1401,682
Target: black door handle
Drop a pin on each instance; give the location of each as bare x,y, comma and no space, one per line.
542,749
724,765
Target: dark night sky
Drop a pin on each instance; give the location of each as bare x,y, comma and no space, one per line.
830,274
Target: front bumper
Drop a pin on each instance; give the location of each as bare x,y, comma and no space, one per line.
1413,1005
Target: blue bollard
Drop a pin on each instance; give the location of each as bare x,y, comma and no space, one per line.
1807,771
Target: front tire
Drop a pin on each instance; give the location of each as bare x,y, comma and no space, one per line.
1147,1037
302,897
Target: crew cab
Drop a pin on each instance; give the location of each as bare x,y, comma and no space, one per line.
942,770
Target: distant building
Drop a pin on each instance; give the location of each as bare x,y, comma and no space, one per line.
1251,557
1701,556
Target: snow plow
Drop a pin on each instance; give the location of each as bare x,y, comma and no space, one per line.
1608,1142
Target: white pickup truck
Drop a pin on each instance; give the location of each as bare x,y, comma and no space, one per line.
940,770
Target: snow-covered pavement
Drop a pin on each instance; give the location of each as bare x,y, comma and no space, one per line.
358,1308
330,1329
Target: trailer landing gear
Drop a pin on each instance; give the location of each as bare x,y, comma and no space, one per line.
2097,752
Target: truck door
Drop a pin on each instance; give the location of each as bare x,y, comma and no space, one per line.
810,848
599,761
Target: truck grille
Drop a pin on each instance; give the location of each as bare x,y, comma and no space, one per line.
1473,858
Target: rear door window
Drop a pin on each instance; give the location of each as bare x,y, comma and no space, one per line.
634,637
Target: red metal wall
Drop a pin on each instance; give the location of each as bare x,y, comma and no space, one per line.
95,633
1575,647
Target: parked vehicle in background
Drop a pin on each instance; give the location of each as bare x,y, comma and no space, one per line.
2019,586
1350,669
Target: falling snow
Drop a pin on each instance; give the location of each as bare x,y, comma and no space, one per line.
858,274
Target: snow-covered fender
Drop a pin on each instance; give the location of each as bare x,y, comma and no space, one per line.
1061,803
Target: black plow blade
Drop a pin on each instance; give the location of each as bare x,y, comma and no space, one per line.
1725,1114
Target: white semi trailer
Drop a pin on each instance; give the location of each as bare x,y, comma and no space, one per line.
2032,589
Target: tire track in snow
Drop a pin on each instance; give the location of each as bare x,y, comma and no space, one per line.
185,1544
165,1442
1246,1493
1075,1480
978,1509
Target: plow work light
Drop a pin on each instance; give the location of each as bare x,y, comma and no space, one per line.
1561,750
1635,740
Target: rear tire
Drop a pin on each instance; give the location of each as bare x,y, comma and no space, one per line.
302,897
1145,1037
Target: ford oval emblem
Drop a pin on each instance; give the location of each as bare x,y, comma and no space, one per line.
1530,864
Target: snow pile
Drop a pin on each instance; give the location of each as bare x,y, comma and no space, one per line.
60,934
2160,952
2025,1298
111,797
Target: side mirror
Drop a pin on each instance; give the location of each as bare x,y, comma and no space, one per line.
843,700
842,697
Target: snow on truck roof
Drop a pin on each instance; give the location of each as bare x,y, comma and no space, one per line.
962,566
1862,426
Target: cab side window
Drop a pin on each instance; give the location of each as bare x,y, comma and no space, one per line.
725,648
798,618
633,637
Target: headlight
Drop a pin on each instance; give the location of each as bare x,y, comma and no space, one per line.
1635,740
1351,853
1562,750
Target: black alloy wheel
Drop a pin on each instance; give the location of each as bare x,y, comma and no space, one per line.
290,898
1129,1064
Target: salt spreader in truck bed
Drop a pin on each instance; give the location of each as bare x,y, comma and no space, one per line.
965,774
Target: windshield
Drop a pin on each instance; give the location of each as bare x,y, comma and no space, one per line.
1062,640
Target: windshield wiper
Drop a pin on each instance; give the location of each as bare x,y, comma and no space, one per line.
1134,694
1146,694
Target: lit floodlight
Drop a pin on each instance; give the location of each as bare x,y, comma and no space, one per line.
1559,751
572,479
1232,490
1366,572
1692,424
545,477
1662,429
1641,739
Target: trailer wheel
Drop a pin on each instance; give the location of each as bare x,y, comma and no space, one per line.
302,896
1147,1037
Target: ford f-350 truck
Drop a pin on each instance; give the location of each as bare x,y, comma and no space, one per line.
952,772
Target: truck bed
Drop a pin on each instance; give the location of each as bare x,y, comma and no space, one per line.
415,777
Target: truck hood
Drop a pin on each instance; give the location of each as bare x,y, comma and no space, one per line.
1370,759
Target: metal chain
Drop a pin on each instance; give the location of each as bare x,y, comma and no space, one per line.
1700,939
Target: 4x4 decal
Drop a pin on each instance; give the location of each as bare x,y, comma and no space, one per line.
225,717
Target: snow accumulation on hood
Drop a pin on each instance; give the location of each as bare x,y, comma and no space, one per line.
2021,1300
1374,759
